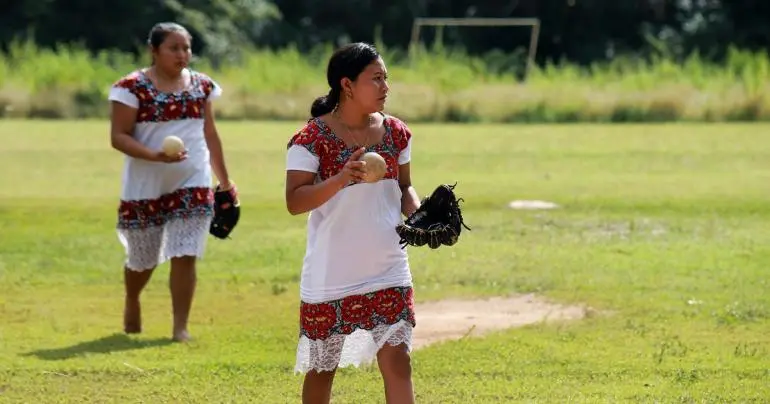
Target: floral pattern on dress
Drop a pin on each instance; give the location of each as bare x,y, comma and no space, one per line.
180,204
333,153
158,106
318,321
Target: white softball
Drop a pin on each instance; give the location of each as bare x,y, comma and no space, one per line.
375,166
172,145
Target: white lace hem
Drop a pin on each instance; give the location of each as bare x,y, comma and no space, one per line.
357,349
152,246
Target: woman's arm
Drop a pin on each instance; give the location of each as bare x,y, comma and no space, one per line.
303,195
122,121
214,143
410,201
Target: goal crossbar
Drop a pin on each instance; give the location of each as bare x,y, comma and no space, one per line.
534,23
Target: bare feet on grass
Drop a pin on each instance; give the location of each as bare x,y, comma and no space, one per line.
134,281
132,317
181,336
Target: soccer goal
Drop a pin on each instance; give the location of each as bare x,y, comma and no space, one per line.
440,23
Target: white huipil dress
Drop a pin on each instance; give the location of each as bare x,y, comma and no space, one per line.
356,285
165,208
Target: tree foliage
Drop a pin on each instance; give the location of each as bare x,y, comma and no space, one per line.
582,31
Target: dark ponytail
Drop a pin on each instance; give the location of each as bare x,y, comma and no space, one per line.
325,103
346,62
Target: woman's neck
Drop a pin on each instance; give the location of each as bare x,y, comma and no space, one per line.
164,76
353,118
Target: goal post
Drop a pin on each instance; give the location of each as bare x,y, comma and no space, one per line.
533,23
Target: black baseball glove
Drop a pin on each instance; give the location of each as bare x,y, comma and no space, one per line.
437,221
227,211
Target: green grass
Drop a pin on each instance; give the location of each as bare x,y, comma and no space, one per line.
437,85
663,227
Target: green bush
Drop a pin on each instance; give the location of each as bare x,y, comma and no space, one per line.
435,85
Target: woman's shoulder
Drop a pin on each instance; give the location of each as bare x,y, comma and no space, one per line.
309,134
130,80
400,131
202,76
130,89
393,120
209,86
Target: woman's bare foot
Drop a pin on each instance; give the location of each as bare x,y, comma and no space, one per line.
182,281
181,336
134,282
132,317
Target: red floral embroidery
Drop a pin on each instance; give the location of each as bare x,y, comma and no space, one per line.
318,319
389,304
401,134
410,298
155,106
333,153
206,85
182,203
146,112
356,309
195,111
343,316
173,109
128,81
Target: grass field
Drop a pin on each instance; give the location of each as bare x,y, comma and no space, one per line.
666,228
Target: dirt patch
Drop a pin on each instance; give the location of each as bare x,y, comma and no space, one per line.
454,319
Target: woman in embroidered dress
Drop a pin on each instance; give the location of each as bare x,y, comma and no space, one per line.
356,285
166,203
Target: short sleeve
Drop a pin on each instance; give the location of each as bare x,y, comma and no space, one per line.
302,153
301,159
403,141
406,153
122,93
212,89
216,90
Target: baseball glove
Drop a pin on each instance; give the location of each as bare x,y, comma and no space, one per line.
437,221
227,211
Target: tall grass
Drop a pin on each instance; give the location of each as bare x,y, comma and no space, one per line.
435,85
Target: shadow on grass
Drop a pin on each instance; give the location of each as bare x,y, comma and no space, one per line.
111,343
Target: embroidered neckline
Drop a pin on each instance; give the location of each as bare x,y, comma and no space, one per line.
194,83
382,144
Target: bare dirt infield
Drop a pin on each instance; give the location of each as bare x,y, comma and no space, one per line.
452,319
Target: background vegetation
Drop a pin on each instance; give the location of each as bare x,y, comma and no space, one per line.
656,232
651,60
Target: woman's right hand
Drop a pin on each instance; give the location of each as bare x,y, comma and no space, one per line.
161,157
353,170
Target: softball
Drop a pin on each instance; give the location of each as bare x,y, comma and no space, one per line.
375,166
172,145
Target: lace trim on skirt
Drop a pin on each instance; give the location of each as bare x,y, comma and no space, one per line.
351,330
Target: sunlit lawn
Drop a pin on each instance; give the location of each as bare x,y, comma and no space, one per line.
666,229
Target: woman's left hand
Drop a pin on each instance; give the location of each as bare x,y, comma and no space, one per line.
229,186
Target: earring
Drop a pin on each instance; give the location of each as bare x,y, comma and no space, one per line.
349,94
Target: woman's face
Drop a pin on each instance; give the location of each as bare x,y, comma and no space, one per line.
174,52
370,90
